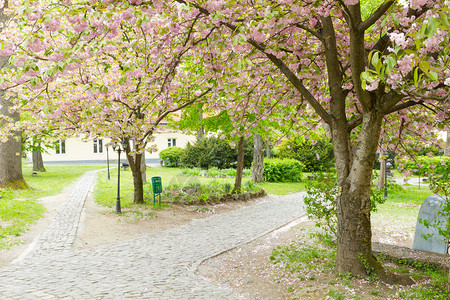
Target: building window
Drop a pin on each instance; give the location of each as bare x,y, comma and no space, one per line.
98,146
171,142
61,147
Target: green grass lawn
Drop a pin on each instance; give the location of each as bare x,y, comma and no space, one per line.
20,208
403,203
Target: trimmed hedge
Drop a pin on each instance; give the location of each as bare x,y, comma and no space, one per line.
282,170
437,165
171,156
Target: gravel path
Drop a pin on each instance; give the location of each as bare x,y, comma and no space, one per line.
156,266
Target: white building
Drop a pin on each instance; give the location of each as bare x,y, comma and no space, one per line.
75,150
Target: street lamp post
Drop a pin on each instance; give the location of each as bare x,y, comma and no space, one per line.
386,171
107,162
117,148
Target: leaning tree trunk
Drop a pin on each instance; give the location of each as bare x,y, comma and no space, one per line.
239,167
258,159
135,165
38,163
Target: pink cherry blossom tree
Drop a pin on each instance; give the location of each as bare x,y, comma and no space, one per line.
117,76
359,75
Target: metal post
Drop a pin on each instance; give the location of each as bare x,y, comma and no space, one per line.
118,210
385,177
107,162
419,178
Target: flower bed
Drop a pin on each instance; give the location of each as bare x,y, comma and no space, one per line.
211,193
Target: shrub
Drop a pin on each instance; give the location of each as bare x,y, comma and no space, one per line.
171,156
438,165
227,187
282,170
214,152
214,172
191,172
196,193
317,157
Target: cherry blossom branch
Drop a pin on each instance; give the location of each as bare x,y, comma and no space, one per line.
163,115
382,9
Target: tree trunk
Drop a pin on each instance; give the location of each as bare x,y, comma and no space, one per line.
382,175
143,168
10,151
354,168
447,145
239,167
201,130
258,159
135,165
38,163
354,164
138,183
268,155
10,154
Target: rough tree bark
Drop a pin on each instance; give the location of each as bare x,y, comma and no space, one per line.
354,170
268,155
11,151
239,167
258,159
135,165
447,145
143,168
38,163
201,130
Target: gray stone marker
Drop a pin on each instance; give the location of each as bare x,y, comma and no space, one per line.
429,211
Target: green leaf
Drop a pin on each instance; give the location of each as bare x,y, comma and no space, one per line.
432,26
122,79
416,77
424,66
432,75
375,59
390,62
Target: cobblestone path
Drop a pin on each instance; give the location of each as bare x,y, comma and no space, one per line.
156,266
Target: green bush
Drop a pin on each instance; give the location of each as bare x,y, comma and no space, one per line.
214,172
196,193
438,165
171,156
317,157
282,170
214,152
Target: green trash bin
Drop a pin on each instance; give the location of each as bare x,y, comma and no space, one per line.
157,188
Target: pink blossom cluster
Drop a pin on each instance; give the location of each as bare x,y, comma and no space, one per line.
52,24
